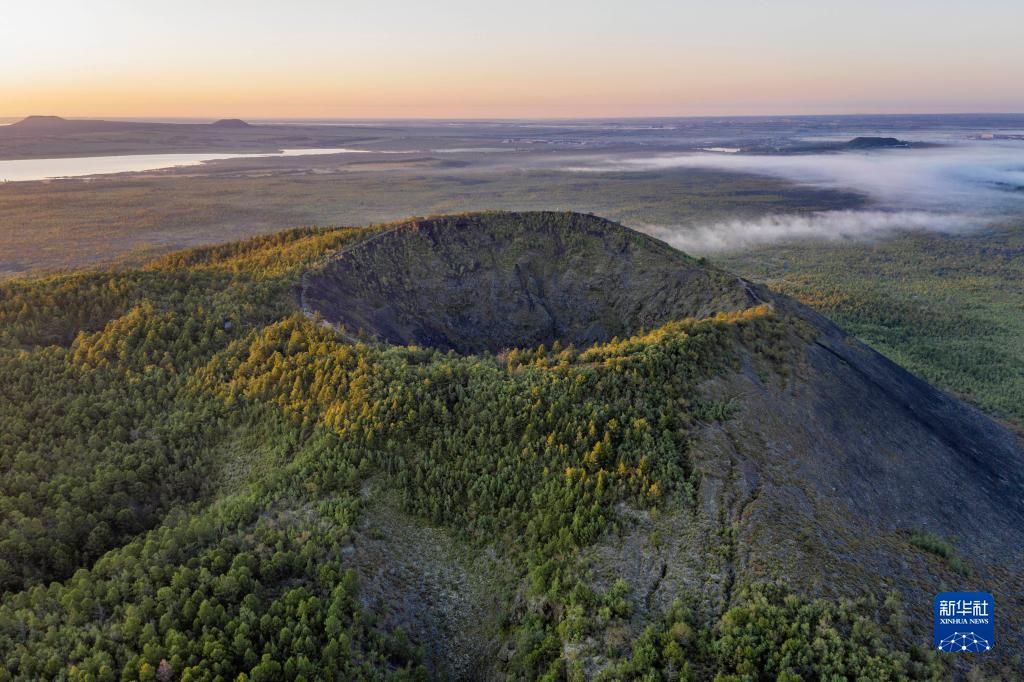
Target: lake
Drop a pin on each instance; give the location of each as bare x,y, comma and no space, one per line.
20,170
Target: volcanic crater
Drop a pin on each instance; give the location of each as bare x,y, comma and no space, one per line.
491,281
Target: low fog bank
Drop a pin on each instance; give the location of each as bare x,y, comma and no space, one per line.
735,235
975,175
953,188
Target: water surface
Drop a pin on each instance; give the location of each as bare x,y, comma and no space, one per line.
20,170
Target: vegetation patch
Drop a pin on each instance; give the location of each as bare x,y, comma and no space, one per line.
934,544
185,473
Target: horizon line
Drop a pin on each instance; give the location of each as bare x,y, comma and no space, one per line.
158,118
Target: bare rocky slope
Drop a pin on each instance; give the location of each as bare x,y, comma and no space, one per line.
826,477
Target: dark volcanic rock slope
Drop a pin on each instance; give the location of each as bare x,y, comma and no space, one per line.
825,476
493,281
829,475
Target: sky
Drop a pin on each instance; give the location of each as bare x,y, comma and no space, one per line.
480,59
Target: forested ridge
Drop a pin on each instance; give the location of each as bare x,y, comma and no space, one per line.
183,459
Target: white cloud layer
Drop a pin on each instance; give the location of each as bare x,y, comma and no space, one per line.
827,225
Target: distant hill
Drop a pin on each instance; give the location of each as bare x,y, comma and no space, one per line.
876,143
40,122
57,124
60,124
860,143
230,123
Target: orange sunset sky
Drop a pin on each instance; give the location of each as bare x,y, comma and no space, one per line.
455,59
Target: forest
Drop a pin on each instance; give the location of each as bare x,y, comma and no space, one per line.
184,459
